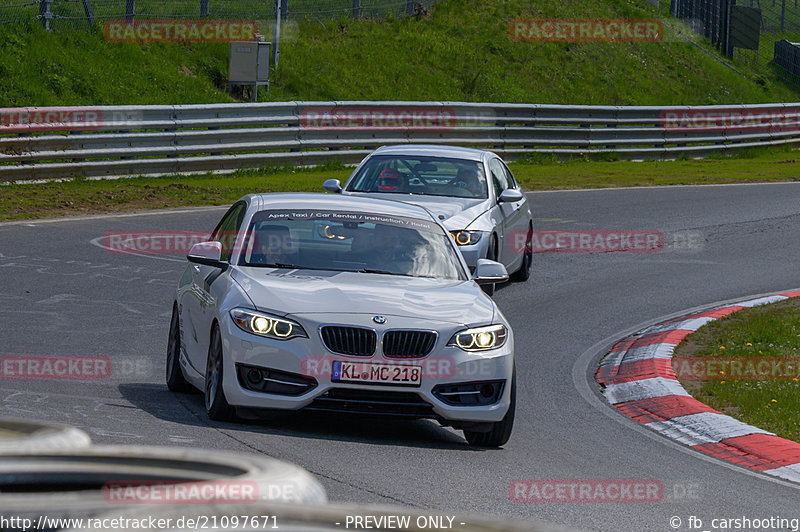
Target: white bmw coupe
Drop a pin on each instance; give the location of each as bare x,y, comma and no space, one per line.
346,304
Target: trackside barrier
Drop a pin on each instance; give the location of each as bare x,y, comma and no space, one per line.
63,142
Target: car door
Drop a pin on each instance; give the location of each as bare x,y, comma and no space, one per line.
200,302
509,215
523,217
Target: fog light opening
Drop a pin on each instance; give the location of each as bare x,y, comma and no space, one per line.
254,376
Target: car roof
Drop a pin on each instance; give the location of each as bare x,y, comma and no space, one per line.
313,200
454,152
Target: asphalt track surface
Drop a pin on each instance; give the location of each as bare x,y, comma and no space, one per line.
62,295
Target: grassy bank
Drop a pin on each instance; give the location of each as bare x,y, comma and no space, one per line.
460,51
95,196
770,333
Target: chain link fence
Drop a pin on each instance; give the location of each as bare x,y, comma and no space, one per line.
74,14
779,21
761,34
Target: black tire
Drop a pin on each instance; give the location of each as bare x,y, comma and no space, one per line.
217,406
176,382
500,432
491,254
524,272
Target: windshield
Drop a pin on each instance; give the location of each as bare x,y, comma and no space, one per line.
432,176
350,241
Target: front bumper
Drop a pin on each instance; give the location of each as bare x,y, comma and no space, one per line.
310,359
475,251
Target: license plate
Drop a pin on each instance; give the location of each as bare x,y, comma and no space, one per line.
367,373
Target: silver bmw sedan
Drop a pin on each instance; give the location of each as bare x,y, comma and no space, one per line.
472,191
347,304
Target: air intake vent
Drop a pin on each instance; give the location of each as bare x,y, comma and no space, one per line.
408,344
354,341
403,404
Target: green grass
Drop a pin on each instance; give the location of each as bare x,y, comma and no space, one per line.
756,64
769,332
461,51
542,173
96,196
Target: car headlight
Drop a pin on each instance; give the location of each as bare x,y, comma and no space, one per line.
466,238
265,325
480,338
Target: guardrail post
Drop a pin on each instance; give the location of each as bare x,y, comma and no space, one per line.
203,8
356,8
130,10
612,147
44,13
588,134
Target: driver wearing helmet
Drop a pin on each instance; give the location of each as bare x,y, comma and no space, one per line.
390,180
468,177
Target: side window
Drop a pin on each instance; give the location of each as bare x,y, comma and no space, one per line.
498,177
512,183
228,229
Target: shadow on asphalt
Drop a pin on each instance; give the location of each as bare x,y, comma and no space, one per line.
188,409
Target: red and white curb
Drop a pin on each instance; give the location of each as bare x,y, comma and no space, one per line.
638,379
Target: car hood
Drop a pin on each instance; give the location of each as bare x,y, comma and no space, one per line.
455,213
284,292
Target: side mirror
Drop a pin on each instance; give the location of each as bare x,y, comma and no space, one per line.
510,195
489,272
208,254
332,185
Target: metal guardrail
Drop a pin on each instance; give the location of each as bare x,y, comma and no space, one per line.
48,143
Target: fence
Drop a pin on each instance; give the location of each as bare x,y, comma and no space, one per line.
745,30
72,14
710,18
40,143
